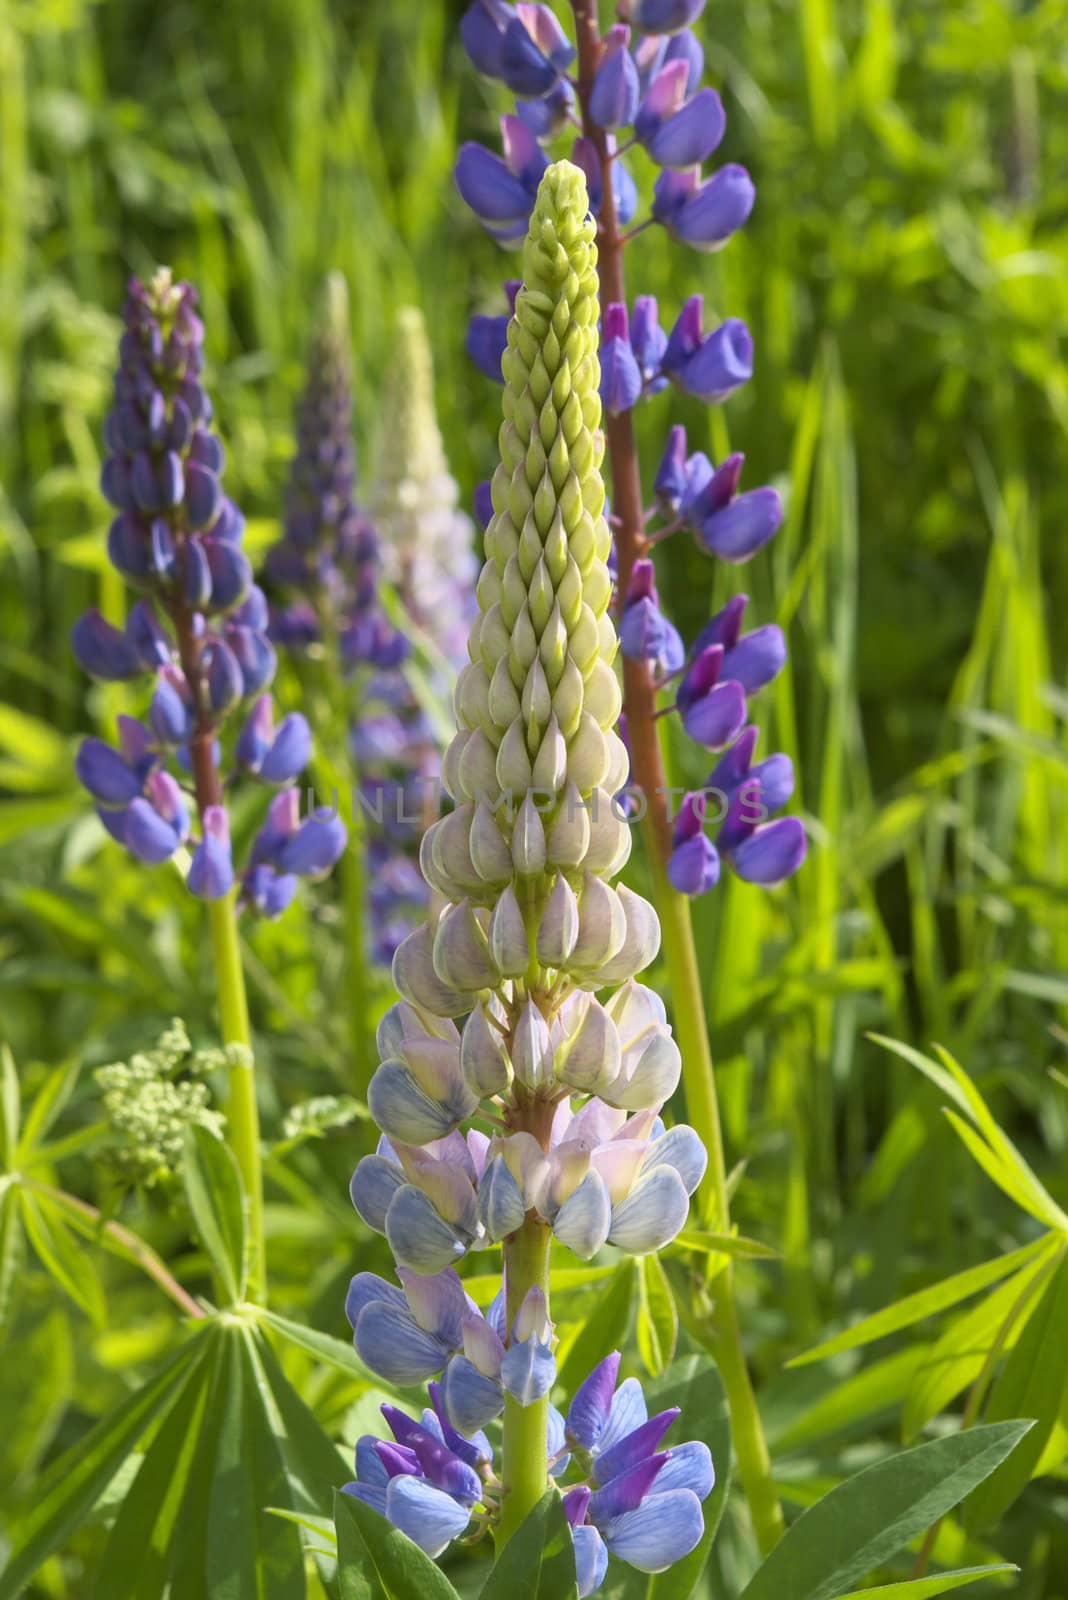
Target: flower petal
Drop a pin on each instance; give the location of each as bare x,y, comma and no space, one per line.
652,1214
430,1518
656,1535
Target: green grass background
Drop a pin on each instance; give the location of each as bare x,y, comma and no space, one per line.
905,275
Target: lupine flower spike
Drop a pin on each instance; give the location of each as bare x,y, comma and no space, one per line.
646,80
519,1003
640,83
199,632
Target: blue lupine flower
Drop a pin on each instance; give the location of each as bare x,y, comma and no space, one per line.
522,45
728,524
501,193
488,336
679,132
643,1504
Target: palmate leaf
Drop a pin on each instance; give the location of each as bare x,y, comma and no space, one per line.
67,1492
959,1355
61,1254
694,1385
538,1562
924,1303
378,1562
870,1517
1033,1383
334,1352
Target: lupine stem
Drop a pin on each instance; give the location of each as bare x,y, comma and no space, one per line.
680,950
526,1266
242,1112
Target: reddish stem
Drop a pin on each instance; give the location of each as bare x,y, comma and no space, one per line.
639,693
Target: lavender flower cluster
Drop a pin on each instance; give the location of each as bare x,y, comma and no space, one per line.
647,81
199,631
622,1494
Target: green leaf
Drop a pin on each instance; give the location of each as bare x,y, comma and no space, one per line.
867,1519
321,1345
658,1320
213,1185
695,1386
9,1108
1032,1383
314,1466
68,1491
47,1104
62,1256
603,1330
941,1583
924,1303
11,1245
958,1356
538,1562
378,1562
735,1245
853,1400
136,1559
248,1555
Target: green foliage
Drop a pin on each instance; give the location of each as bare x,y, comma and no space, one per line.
538,1562
377,1561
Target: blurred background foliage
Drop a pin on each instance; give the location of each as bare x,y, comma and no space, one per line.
905,275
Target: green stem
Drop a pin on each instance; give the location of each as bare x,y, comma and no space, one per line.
242,1111
702,1105
526,1428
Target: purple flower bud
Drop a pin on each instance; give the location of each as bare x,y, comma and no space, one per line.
663,99
621,379
502,193
206,449
635,1447
254,655
744,526
722,364
482,31
105,774
614,97
231,574
203,495
648,340
685,46
550,113
289,753
670,481
716,718
693,866
523,67
170,712
704,214
661,16
211,872
147,835
222,677
690,136
129,550
487,339
624,190
267,892
315,847
171,479
772,852
115,484
102,651
592,1402
196,574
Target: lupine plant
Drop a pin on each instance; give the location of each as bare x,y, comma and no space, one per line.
199,633
569,1086
640,83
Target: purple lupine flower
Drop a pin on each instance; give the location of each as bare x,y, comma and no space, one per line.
710,366
645,634
500,192
522,45
661,16
487,337
616,88
644,1504
178,538
740,798
729,524
704,213
621,377
678,132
